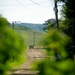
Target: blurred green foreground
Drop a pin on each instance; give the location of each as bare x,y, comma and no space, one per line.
12,47
57,62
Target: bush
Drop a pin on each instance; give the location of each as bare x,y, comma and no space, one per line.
55,42
11,45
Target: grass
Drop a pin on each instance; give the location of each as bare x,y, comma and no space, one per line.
16,63
30,36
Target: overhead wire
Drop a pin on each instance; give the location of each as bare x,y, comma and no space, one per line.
23,5
13,5
27,7
38,3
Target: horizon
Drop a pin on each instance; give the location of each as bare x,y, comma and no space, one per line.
26,22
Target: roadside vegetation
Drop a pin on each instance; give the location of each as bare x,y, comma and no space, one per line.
60,44
12,47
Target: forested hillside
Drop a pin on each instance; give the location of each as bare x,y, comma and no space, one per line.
37,27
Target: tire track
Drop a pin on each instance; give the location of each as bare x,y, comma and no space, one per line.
25,68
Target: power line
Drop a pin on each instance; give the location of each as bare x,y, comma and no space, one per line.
35,2
27,7
38,3
13,9
6,5
23,5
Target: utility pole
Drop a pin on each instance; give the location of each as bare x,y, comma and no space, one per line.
13,27
34,37
73,38
13,36
56,13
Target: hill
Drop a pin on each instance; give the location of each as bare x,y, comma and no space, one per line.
29,35
32,26
36,27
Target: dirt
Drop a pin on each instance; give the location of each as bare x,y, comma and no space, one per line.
25,69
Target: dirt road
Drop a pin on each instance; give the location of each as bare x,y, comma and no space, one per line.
24,69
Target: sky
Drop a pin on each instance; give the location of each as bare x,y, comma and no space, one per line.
29,11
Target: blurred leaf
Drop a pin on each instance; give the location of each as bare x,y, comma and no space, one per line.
55,42
11,45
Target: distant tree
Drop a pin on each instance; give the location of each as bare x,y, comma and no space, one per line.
49,24
11,45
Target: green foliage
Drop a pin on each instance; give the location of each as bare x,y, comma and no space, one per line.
11,45
3,22
68,15
68,12
55,42
65,26
49,24
47,67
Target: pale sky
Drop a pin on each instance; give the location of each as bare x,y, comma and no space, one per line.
30,11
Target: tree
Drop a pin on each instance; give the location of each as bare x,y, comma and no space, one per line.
11,45
56,40
69,15
49,24
55,64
